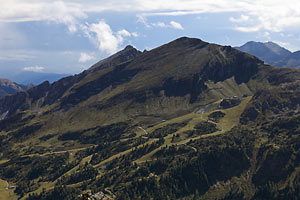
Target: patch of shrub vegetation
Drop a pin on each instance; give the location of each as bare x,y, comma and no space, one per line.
85,172
70,136
216,116
166,130
23,133
176,172
104,150
249,115
229,103
205,127
47,137
58,193
95,135
14,121
23,171
288,125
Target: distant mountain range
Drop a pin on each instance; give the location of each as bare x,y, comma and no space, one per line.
35,78
10,87
271,53
25,80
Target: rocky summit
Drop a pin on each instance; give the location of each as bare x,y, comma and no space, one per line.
8,87
186,120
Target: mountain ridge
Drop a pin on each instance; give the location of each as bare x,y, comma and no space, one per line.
208,73
292,60
186,120
122,56
272,54
8,87
269,52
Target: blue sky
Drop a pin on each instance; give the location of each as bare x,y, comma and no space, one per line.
69,36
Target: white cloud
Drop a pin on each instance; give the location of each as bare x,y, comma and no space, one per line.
104,38
283,44
243,18
15,56
183,7
32,10
84,57
176,25
248,29
268,15
135,34
172,24
142,19
159,24
124,32
286,35
266,34
287,45
34,69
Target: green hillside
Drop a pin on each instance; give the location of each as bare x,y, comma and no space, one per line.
186,120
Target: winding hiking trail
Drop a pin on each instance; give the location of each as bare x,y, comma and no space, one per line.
143,130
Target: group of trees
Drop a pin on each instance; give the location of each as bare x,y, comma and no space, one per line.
59,192
84,172
166,130
176,171
24,171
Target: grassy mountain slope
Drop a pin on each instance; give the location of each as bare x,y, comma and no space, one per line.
187,120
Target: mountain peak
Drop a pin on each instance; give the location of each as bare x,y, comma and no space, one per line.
5,81
186,40
128,53
270,42
10,87
276,48
269,52
129,47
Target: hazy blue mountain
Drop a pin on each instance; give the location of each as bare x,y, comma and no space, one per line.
292,60
35,77
269,52
10,87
